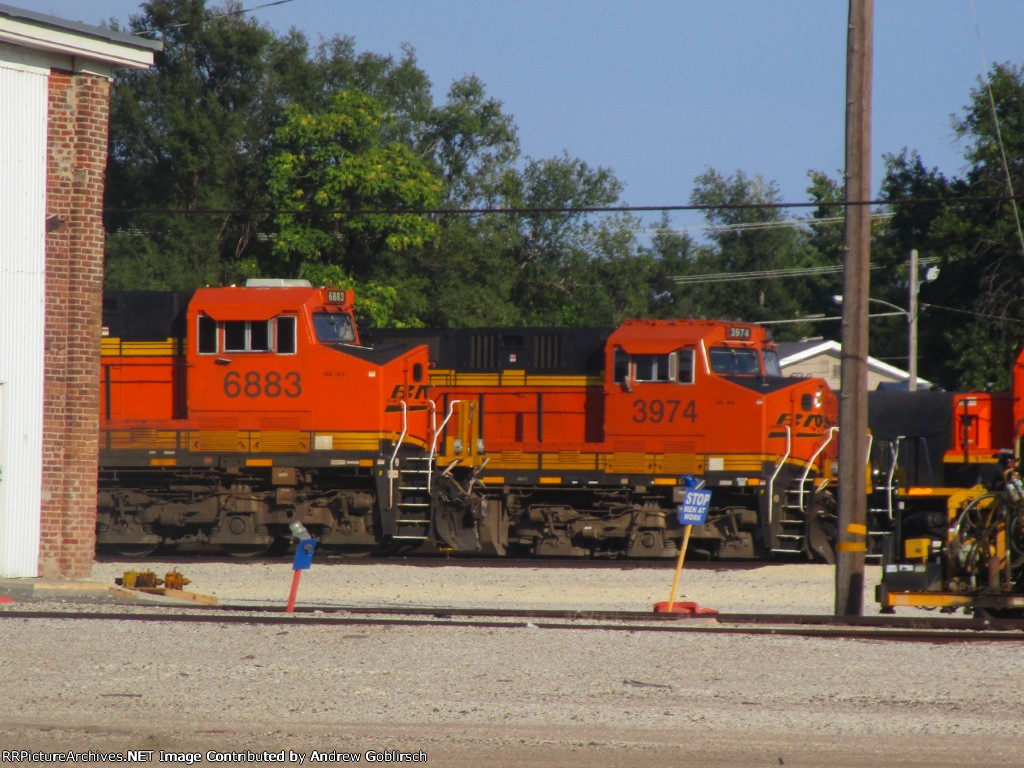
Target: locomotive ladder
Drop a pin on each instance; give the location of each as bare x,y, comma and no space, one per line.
409,474
791,539
413,505
793,518
880,503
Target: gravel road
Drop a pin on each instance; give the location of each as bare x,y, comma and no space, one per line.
515,696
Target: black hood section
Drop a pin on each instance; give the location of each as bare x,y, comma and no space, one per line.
378,355
765,384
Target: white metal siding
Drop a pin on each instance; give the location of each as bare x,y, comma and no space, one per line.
23,121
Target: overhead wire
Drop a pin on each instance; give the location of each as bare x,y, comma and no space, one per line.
569,209
239,12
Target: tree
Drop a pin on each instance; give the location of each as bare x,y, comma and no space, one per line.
749,234
340,188
187,135
193,134
569,269
975,324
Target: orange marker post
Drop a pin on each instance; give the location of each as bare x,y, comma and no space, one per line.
303,561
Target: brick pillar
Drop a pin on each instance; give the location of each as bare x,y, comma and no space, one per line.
77,154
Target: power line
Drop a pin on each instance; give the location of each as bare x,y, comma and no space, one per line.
770,274
239,12
755,226
554,210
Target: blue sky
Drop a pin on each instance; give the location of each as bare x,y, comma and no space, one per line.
661,90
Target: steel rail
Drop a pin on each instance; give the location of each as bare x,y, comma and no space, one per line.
889,628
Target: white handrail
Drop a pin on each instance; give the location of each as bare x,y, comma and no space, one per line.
437,435
778,468
439,430
392,476
807,470
894,449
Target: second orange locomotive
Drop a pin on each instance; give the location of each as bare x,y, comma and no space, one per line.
230,413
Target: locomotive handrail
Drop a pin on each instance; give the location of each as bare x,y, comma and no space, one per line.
778,468
439,430
392,476
807,469
894,450
437,434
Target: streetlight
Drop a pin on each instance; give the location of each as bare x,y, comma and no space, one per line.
914,283
911,335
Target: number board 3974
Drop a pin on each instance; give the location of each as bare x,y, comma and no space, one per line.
738,332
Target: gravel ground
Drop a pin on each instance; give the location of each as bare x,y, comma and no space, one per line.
515,696
791,588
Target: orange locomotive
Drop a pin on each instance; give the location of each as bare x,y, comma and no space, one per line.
230,413
590,433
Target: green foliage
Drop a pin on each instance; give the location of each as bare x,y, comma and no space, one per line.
348,150
376,304
749,234
332,163
972,324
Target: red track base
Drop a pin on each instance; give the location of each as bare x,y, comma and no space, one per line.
682,607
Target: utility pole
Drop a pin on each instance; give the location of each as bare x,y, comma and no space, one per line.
912,325
853,396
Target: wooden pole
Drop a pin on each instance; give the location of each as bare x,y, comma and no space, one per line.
853,398
679,567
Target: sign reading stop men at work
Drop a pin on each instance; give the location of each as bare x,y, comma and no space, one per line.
694,509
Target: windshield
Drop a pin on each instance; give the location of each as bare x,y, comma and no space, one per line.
333,327
732,360
772,367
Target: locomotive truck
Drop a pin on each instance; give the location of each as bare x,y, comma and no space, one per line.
229,413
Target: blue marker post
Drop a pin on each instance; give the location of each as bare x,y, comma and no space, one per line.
303,560
693,511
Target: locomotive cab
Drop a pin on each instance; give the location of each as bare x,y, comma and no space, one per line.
245,409
707,398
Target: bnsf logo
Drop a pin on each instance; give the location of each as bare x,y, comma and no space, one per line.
809,420
410,392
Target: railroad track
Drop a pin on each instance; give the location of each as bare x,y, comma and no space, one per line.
933,629
440,561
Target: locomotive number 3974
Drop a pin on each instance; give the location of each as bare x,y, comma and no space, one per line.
269,384
657,411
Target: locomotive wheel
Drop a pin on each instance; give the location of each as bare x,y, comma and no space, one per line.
245,551
142,549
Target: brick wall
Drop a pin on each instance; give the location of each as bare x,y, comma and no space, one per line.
77,154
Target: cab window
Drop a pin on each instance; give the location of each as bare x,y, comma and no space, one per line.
621,373
675,366
286,335
732,360
207,335
333,327
246,336
684,366
651,367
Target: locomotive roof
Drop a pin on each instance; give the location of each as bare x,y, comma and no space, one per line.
248,303
656,335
